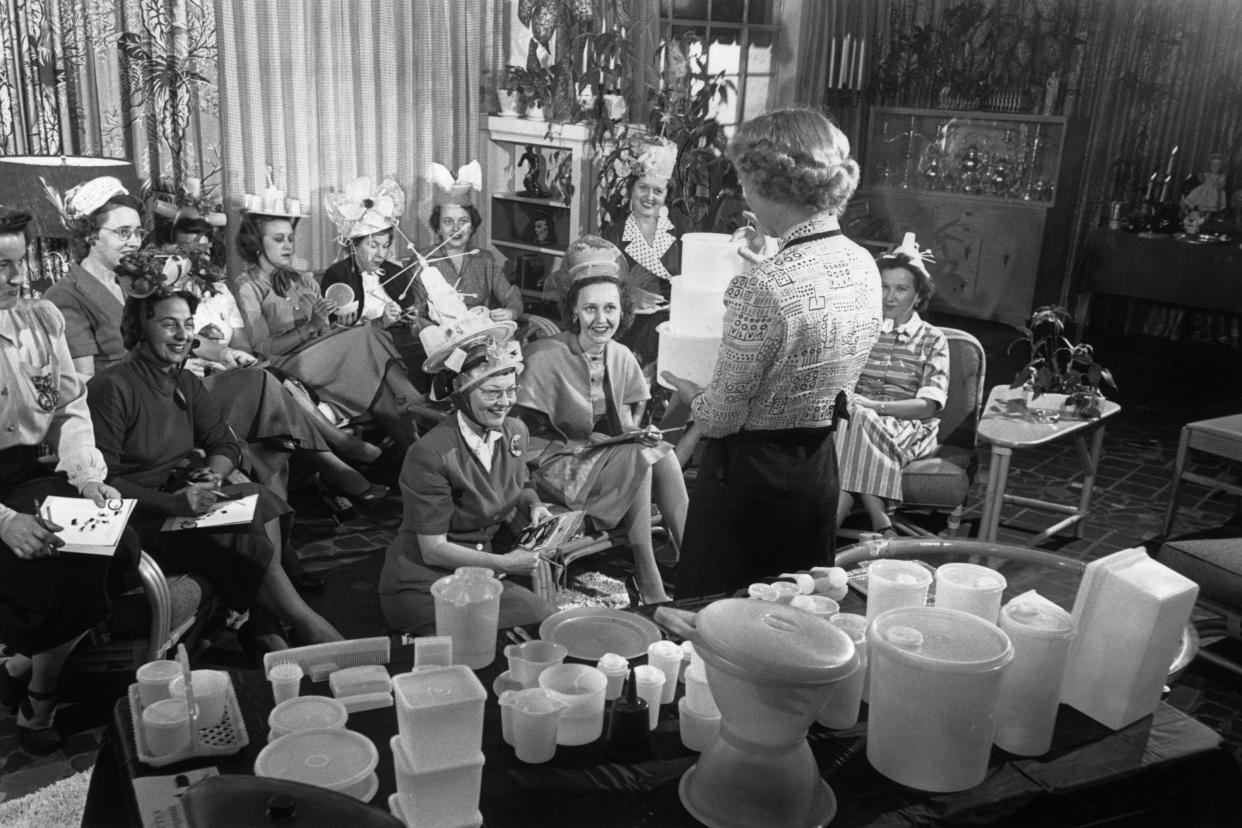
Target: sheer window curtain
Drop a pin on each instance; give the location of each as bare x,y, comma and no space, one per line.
323,91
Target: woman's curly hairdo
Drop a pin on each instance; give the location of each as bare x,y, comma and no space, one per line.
570,303
138,310
924,287
476,218
796,156
250,234
86,228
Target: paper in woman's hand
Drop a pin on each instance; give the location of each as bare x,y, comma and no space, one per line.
87,528
223,513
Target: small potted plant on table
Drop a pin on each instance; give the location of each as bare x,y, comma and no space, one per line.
1059,375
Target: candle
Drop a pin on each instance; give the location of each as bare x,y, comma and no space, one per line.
1172,157
1151,187
585,44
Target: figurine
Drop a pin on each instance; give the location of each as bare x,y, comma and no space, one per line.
1209,195
533,182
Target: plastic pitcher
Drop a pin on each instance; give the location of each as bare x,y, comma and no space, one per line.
935,682
468,611
530,658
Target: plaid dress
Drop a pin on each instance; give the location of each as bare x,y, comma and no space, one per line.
909,361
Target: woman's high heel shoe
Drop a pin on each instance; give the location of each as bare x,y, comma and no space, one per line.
367,497
12,689
37,740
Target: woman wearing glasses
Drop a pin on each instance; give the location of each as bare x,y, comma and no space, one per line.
582,386
462,485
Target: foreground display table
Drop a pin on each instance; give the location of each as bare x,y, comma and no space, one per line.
1009,426
1164,761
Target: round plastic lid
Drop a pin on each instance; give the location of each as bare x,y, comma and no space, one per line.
166,711
1037,619
772,642
971,576
329,758
852,624
905,573
613,664
307,713
936,638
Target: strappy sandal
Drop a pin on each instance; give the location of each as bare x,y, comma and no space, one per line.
37,740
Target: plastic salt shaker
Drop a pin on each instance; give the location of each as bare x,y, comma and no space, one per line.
614,667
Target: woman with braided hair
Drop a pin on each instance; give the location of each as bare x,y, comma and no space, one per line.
797,330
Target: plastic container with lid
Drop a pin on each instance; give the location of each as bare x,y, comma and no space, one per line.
666,656
467,607
892,584
615,668
841,711
445,797
440,715
1041,633
337,759
935,682
970,588
771,668
698,696
305,713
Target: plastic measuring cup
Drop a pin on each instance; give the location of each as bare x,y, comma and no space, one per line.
530,658
581,689
970,588
535,715
892,584
468,611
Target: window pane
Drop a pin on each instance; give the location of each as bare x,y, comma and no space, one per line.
727,11
759,52
725,53
760,11
757,87
691,9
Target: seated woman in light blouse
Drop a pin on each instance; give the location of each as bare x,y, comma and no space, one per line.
902,387
48,600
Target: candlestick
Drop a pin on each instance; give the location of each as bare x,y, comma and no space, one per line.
1151,187
1166,188
1172,156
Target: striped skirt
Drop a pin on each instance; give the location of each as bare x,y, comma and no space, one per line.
871,451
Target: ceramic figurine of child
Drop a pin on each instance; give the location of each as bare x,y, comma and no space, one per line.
1209,195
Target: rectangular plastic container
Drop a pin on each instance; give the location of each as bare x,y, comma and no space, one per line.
1130,612
439,716
322,660
445,797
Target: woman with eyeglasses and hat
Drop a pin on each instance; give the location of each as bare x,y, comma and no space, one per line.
48,600
355,369
582,386
464,482
168,446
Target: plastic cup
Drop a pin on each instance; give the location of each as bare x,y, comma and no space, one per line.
506,715
666,657
690,655
210,687
581,689
528,659
286,681
468,611
1041,633
154,678
893,584
166,726
698,696
615,668
970,588
650,683
697,729
820,605
536,717
842,708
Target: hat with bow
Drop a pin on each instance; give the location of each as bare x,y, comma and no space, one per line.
450,190
363,209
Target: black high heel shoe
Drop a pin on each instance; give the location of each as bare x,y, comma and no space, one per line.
37,740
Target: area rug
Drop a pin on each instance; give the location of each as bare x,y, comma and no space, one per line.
59,804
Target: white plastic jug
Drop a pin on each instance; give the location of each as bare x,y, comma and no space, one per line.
468,611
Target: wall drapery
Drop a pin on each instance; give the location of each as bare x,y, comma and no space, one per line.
325,92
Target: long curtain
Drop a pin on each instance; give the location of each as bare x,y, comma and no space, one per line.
67,88
318,93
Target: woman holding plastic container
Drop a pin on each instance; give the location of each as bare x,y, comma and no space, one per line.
168,446
797,330
582,386
48,600
462,483
356,370
903,385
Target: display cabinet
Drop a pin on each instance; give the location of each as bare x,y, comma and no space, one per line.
536,185
981,190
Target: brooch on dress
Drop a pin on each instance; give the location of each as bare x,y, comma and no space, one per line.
515,445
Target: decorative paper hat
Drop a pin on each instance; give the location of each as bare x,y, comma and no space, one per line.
909,253
654,156
187,202
79,202
446,344
450,190
592,256
272,203
363,208
485,358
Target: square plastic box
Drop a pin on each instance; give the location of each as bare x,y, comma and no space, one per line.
439,716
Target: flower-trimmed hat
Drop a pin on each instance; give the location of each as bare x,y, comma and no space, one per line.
446,344
78,203
364,209
654,155
450,190
481,360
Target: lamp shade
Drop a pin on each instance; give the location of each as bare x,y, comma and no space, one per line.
21,187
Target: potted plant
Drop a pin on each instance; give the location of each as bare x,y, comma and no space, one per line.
1057,366
534,85
507,95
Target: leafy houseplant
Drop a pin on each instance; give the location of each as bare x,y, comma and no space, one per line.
1058,366
534,84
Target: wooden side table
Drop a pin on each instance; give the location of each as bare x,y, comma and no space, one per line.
1221,436
1009,425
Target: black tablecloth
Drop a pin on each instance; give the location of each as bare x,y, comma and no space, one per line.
1163,269
1167,764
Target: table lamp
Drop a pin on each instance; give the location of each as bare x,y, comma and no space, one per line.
22,178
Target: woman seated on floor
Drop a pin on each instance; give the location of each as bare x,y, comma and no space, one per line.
48,601
356,370
904,384
154,424
462,483
582,386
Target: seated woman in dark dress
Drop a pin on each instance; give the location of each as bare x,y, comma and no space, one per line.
48,600
154,420
462,483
